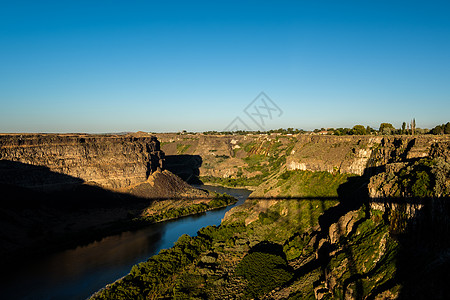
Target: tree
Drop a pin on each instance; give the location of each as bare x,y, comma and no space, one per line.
403,127
370,130
386,128
437,130
413,126
441,129
359,130
447,128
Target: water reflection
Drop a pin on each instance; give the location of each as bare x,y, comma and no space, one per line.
77,273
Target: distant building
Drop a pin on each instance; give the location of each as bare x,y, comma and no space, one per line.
323,132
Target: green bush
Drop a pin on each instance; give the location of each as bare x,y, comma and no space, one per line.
264,272
419,179
145,277
268,217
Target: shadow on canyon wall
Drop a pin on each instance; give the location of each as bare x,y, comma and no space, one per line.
43,211
424,258
423,262
187,167
69,208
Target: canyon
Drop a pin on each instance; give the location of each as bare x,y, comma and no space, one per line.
347,212
228,156
62,190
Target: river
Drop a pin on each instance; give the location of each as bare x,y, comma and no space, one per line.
78,273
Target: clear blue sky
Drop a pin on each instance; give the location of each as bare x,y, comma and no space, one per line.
106,66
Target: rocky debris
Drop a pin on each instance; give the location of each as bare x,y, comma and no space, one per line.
164,184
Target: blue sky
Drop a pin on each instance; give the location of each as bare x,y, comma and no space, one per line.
109,66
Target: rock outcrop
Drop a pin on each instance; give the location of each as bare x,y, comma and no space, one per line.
61,190
228,156
109,161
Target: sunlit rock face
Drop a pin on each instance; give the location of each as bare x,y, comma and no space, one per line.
230,156
109,161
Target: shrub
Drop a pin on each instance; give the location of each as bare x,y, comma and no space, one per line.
263,271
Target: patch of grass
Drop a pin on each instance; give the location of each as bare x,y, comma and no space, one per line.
264,272
249,147
289,148
234,182
182,148
220,200
311,184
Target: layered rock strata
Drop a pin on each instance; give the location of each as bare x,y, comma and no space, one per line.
109,161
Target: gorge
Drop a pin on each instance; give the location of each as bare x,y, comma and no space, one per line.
330,217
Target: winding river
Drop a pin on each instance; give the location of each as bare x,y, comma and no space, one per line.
78,273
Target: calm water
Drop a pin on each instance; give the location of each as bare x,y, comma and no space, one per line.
79,272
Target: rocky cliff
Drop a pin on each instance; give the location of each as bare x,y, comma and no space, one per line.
60,190
329,218
108,161
246,156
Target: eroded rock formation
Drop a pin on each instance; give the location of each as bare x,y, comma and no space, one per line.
112,162
228,156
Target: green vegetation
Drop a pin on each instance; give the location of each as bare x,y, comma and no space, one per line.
359,130
165,143
367,259
384,129
264,272
299,183
424,178
221,158
263,159
249,261
441,129
316,242
146,277
299,245
181,148
220,200
245,132
234,182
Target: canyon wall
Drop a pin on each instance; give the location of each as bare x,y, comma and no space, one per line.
110,161
232,156
117,162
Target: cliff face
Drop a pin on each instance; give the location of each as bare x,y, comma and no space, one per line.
118,162
413,167
62,190
343,154
233,156
311,229
112,162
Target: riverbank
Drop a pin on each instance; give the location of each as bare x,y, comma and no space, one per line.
311,235
219,184
79,272
168,209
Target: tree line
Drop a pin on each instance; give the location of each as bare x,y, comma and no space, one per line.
407,128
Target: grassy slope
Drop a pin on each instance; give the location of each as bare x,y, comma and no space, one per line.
210,265
327,250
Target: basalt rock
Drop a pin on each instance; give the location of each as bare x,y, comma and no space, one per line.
109,161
